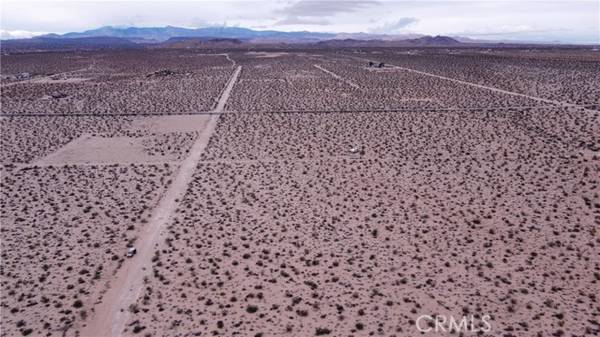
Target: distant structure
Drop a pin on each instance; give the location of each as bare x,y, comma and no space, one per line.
22,76
372,64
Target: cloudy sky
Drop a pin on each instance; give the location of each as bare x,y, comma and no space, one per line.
564,21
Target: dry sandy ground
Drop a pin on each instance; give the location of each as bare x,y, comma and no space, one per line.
492,88
569,77
89,149
164,124
65,231
295,83
285,232
99,190
361,247
336,76
306,224
114,83
25,140
428,220
111,314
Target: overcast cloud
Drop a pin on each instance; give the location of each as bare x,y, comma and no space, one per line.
325,8
565,21
394,27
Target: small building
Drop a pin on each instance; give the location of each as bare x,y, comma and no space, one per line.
22,76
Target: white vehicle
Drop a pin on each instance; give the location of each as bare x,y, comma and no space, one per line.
131,252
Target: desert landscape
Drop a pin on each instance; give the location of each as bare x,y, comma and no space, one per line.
300,192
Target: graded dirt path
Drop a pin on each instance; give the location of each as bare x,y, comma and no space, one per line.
338,77
225,94
111,314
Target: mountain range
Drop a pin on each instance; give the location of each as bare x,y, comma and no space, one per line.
179,37
161,34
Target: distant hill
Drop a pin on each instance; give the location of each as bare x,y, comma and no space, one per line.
144,36
57,43
425,41
434,41
196,42
161,34
60,42
229,37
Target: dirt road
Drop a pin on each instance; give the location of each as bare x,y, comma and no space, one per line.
535,98
111,314
338,77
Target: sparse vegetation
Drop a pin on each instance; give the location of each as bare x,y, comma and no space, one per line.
424,195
